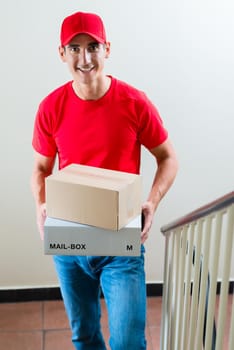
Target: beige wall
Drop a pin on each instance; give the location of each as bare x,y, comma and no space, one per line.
179,52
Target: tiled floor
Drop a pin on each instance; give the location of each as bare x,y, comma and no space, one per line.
44,326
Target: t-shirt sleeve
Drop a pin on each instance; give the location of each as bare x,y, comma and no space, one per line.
152,132
43,141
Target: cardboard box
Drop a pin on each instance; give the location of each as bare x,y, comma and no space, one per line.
94,196
70,238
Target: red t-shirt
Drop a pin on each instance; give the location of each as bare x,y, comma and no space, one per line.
106,133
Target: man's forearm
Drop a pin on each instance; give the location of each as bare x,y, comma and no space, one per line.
164,178
38,187
43,167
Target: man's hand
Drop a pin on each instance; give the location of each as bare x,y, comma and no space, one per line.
41,217
148,214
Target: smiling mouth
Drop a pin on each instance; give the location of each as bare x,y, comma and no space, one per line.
85,70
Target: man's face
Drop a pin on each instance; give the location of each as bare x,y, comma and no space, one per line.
85,58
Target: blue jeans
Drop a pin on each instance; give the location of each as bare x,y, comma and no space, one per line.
122,280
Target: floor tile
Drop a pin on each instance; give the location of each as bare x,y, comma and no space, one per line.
104,318
148,339
155,337
54,315
21,340
154,311
21,316
58,340
106,336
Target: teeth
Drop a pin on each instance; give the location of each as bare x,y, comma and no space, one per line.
85,69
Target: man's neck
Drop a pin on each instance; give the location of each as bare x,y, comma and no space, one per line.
92,91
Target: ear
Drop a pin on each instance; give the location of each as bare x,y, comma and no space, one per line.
107,49
62,53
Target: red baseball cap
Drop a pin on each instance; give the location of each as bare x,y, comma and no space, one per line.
81,22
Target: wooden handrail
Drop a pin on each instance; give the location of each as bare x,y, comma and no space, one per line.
207,209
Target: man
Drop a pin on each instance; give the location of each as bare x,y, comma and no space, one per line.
100,121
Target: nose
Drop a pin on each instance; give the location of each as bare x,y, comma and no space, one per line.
85,57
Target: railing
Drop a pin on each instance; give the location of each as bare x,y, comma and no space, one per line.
197,315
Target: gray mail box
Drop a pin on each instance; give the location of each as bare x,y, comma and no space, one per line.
71,238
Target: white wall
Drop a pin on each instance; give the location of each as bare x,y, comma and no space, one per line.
180,53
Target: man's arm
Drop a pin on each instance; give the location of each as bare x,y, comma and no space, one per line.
167,166
43,167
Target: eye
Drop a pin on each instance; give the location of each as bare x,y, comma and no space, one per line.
74,49
93,47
